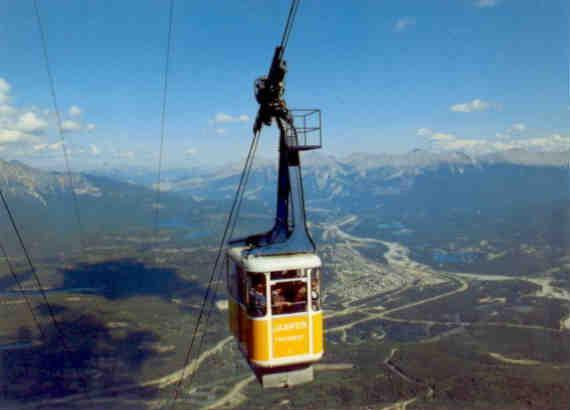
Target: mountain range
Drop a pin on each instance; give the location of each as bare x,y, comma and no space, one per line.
415,183
408,182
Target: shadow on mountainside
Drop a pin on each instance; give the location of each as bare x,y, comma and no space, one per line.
127,277
81,355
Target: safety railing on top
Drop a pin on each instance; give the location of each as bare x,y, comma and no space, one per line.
307,134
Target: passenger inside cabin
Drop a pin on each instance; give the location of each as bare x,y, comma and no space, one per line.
257,305
277,300
289,297
316,305
301,294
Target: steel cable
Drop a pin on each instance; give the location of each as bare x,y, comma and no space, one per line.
289,26
217,281
163,118
22,291
58,332
60,128
230,226
229,223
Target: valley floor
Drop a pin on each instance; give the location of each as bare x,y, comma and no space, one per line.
399,335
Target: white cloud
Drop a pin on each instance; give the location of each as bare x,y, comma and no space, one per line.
31,122
441,136
486,3
24,130
403,23
474,105
56,146
17,127
8,136
554,142
40,147
221,131
126,155
424,132
223,118
515,129
518,127
6,110
74,111
5,88
70,126
503,142
435,136
94,150
190,152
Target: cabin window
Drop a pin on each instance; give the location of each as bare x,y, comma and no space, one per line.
288,274
288,297
315,289
232,279
257,305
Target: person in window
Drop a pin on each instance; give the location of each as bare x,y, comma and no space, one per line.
300,304
301,294
257,300
277,300
315,294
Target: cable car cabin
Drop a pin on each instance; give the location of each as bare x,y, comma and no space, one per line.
273,277
275,314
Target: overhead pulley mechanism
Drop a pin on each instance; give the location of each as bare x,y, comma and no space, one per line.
269,92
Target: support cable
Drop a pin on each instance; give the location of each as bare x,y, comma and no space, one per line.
59,334
60,127
33,269
76,209
217,279
229,223
163,118
289,25
22,291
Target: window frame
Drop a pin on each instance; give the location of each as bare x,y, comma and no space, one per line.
302,276
247,304
311,276
281,281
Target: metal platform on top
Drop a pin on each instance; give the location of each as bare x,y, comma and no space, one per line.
306,134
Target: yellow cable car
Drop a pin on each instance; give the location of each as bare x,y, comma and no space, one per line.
275,314
273,277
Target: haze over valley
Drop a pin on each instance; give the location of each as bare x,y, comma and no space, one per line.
445,284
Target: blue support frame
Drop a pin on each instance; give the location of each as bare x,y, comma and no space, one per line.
289,233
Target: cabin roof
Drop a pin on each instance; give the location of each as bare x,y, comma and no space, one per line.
273,263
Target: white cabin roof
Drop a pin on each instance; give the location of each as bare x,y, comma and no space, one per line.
274,262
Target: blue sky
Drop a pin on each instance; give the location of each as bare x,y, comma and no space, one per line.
389,76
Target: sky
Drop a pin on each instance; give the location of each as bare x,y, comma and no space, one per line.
389,76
